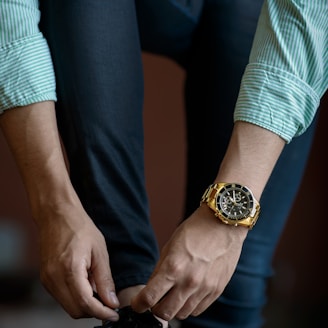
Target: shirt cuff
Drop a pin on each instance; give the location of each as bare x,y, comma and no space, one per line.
26,73
276,100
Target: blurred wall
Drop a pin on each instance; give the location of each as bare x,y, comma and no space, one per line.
301,272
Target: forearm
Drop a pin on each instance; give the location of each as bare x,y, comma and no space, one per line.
202,248
70,243
27,116
32,135
251,156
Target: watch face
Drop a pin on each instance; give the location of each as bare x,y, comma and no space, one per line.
235,202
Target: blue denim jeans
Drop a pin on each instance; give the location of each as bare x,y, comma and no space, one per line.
96,47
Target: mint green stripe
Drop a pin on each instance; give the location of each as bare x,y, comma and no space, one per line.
274,101
18,19
26,73
288,70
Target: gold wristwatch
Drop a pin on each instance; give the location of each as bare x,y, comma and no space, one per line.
232,203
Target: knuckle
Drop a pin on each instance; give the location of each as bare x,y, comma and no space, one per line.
47,273
187,309
83,309
166,315
217,291
84,304
181,316
149,298
76,315
174,268
210,287
197,312
193,281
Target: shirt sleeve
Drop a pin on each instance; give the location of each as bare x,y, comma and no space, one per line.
26,70
287,73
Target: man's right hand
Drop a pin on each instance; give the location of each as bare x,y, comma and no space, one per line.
74,257
75,264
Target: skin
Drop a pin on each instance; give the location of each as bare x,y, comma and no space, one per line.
70,249
196,263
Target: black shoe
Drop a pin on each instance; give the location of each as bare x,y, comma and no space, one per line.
132,319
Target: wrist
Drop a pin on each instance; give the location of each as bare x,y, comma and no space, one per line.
213,223
51,195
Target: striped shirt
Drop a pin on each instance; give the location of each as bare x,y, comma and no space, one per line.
287,73
281,88
26,71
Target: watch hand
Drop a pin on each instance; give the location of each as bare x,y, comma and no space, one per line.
231,199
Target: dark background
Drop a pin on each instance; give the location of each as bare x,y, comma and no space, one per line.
298,292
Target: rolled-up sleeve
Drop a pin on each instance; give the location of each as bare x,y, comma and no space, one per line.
26,70
287,73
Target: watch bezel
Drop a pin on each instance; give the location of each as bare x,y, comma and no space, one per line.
222,204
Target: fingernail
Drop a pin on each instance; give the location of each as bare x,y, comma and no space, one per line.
114,299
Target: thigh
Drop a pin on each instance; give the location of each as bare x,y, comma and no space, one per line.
97,58
166,26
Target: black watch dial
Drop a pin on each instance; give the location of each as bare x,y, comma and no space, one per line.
235,202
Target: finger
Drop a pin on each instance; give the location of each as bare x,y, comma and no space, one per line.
156,288
82,294
55,283
63,297
204,304
171,303
181,300
195,305
104,284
